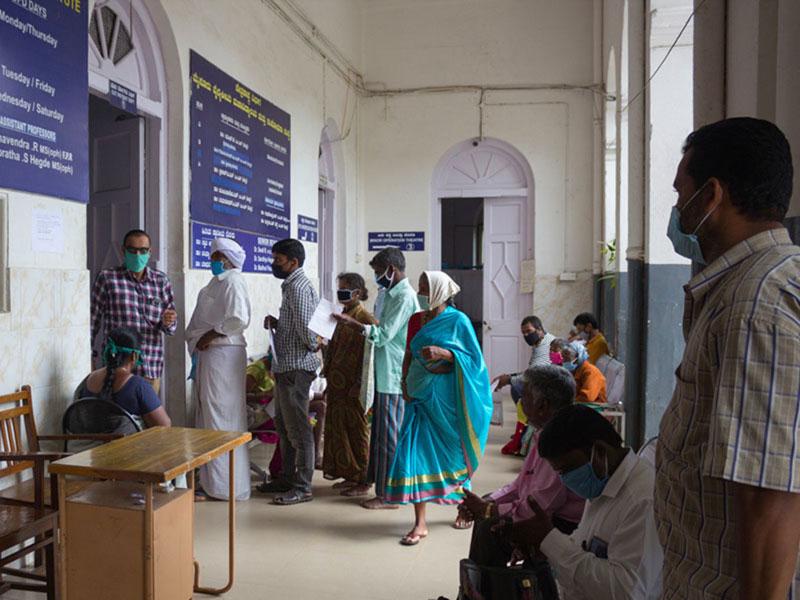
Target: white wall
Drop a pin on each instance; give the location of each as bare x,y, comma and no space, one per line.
44,338
440,42
670,114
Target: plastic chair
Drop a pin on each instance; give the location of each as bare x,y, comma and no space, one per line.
97,416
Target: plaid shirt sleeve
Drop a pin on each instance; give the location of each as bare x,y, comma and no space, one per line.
169,303
99,304
754,435
305,300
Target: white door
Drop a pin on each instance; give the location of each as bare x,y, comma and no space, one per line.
116,203
325,245
504,307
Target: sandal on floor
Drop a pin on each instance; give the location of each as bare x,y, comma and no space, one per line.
356,490
293,497
462,523
412,540
378,504
344,485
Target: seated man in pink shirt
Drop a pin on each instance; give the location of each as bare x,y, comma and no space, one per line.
547,389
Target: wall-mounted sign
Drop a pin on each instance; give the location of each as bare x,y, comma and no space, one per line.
44,92
239,156
258,248
307,229
121,97
407,241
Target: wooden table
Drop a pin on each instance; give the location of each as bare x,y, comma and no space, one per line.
155,455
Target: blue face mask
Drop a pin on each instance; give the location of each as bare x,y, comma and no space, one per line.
571,366
424,302
687,244
584,481
217,267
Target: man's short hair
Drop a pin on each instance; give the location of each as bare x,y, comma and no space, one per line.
751,157
533,320
291,249
575,427
389,257
586,319
136,233
554,384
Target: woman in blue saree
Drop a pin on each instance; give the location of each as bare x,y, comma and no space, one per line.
449,404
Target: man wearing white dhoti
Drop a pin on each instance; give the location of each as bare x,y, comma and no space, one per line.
215,339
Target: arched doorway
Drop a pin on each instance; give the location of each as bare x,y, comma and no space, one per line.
127,148
331,206
482,235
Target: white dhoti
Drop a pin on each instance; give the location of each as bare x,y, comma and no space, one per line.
219,392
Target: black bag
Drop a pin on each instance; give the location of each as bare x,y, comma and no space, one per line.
526,582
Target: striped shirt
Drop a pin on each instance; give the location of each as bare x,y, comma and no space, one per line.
121,300
295,345
734,414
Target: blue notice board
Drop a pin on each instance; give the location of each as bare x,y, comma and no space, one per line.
44,95
408,241
307,229
258,248
239,155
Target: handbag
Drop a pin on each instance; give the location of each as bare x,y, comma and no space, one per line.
527,582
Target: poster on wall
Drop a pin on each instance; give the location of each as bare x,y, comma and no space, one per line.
240,148
408,241
258,248
44,115
307,229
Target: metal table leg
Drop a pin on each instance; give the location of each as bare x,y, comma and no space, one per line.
231,536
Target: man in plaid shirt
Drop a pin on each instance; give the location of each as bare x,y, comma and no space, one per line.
295,367
137,298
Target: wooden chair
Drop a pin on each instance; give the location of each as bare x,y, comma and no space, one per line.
28,507
19,524
16,418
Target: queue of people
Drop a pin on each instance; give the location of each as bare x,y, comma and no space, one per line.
717,516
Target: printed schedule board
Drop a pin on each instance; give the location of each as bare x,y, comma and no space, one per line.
240,158
44,95
408,241
258,248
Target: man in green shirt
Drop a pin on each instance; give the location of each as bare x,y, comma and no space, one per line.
389,340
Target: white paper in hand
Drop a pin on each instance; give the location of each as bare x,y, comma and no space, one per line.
322,322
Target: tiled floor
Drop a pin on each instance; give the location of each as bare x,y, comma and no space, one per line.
332,548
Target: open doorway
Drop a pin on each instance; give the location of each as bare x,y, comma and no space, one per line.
116,182
462,254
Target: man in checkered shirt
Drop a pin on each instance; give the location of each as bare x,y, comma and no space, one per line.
138,298
727,496
295,367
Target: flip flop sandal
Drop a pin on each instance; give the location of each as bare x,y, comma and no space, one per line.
461,523
343,485
412,540
353,492
376,504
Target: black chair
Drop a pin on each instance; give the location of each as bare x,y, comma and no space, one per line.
96,416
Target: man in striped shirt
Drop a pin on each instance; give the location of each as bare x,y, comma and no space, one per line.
727,496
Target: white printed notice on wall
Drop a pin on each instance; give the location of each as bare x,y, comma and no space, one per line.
47,231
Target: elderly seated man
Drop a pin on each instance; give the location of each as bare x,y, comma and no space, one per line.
589,380
614,553
546,390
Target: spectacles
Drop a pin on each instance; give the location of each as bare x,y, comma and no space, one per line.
133,250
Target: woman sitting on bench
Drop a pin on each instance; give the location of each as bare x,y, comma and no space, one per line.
116,381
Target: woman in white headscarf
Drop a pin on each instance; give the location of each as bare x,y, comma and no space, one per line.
215,339
448,406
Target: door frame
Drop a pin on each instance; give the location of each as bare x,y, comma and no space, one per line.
451,181
522,185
